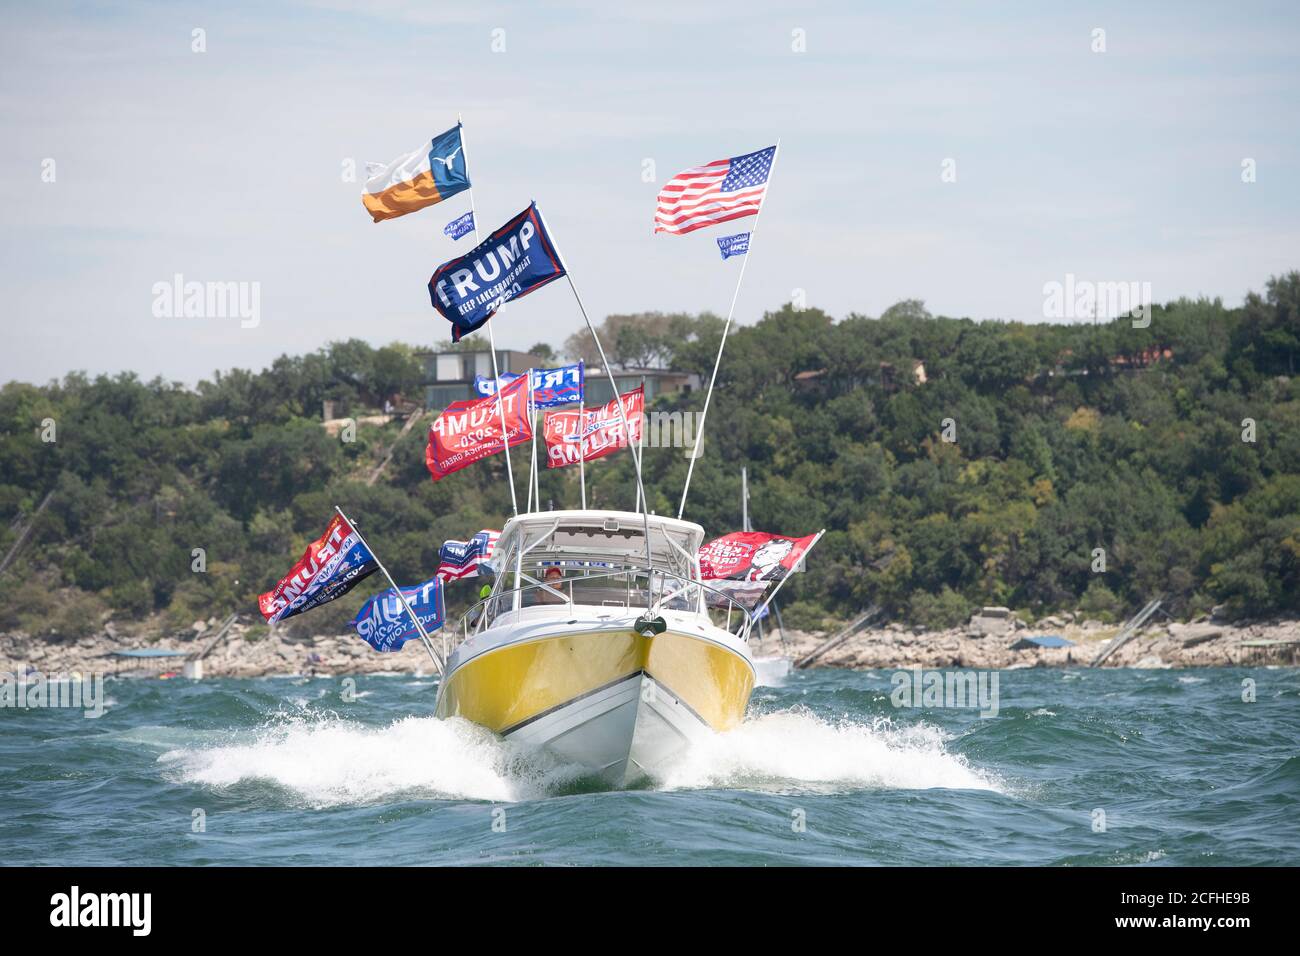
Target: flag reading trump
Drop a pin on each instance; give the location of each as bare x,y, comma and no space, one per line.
512,262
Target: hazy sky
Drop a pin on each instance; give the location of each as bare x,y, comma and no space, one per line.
228,165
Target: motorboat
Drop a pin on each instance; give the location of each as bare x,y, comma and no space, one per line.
600,643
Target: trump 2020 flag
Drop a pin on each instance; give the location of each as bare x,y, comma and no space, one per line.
470,431
594,432
384,624
718,192
461,559
432,173
331,566
517,259
552,387
459,227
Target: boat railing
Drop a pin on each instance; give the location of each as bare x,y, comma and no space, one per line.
666,590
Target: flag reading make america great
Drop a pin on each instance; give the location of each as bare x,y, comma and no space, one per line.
718,192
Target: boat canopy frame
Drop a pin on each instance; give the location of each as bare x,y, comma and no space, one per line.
603,547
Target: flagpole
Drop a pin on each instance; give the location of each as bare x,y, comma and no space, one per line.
699,432
424,635
582,424
534,500
641,442
492,341
618,401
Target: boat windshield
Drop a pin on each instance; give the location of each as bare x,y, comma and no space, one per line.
591,560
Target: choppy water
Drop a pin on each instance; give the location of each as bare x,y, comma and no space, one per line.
285,772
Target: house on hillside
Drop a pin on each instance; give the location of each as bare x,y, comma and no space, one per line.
886,378
449,376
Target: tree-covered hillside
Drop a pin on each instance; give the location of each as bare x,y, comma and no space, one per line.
1068,438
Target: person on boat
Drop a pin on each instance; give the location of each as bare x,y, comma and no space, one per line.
478,610
553,577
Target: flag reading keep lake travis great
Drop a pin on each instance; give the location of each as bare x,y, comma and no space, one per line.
515,260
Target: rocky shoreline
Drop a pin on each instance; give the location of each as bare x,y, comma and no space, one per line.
1203,643
251,650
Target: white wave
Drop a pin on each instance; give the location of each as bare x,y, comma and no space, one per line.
327,762
795,749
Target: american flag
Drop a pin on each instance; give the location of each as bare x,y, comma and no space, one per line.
719,192
461,559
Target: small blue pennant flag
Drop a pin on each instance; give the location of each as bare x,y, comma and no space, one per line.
736,245
459,227
552,387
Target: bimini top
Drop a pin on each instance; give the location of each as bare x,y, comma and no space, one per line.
617,535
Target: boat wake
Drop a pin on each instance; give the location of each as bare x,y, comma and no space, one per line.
330,762
797,750
327,761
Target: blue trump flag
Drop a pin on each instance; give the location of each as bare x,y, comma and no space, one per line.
459,227
512,262
736,245
384,624
552,387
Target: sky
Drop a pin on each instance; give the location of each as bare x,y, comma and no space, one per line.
131,157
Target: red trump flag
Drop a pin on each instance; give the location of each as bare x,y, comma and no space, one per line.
470,431
592,433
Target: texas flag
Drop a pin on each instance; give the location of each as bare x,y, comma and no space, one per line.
434,172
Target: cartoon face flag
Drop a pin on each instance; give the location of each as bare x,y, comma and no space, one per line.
430,174
384,623
751,556
743,564
552,387
517,259
592,433
331,566
470,431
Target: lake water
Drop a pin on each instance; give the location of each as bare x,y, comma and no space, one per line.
1079,767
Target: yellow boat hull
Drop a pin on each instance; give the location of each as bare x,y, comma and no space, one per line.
614,700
